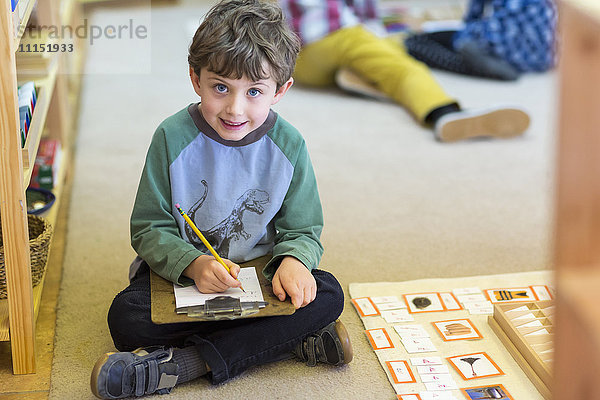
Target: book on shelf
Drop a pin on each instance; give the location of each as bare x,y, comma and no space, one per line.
47,163
27,96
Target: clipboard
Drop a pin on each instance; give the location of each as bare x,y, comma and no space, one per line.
162,298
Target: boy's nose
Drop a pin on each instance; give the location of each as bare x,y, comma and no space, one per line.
235,106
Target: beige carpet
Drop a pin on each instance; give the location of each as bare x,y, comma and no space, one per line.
398,205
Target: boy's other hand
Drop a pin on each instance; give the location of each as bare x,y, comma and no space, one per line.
210,276
294,279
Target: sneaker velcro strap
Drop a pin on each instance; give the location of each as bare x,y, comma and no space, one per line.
152,376
140,380
311,353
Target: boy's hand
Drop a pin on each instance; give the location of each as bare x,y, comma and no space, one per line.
210,276
294,279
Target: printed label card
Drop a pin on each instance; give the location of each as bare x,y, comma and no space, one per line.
395,316
457,329
410,396
450,301
391,306
379,339
436,378
471,298
384,299
426,361
433,386
424,302
432,369
476,365
469,290
479,307
418,345
365,306
542,292
511,295
439,395
497,392
411,331
400,372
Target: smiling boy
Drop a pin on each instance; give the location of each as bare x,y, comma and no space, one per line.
244,176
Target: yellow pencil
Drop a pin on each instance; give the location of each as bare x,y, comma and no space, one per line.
203,239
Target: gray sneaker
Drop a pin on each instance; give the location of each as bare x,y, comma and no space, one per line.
330,345
136,373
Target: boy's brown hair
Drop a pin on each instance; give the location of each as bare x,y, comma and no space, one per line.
241,37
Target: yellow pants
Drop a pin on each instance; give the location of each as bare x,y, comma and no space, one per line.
382,62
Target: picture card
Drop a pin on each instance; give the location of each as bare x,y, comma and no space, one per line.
457,329
496,392
410,396
395,316
511,295
475,365
426,361
424,302
365,306
379,339
450,301
400,371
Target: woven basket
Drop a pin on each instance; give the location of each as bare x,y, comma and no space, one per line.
40,233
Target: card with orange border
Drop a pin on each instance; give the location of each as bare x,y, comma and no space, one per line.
400,371
424,302
409,396
379,339
475,366
365,306
457,329
450,301
487,392
511,295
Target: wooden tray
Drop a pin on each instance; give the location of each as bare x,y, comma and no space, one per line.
527,331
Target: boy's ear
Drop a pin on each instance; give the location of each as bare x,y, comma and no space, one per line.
284,88
195,81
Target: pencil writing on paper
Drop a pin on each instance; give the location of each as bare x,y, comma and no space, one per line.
203,239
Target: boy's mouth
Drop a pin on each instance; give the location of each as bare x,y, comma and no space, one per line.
233,125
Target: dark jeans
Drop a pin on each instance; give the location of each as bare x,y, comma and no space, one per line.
228,347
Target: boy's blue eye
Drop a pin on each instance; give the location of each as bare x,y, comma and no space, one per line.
253,92
220,88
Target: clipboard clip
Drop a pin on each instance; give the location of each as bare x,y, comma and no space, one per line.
223,307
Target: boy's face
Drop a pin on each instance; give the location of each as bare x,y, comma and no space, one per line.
235,107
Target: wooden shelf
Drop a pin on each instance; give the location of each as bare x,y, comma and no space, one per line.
45,89
51,216
23,24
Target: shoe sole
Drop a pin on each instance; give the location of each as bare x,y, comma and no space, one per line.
503,123
342,334
96,372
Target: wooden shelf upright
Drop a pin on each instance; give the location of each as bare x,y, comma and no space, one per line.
18,312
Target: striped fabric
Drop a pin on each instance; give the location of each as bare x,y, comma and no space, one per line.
522,32
314,19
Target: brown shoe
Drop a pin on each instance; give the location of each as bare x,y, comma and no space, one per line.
330,345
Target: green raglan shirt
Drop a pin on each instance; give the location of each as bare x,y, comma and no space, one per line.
249,198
